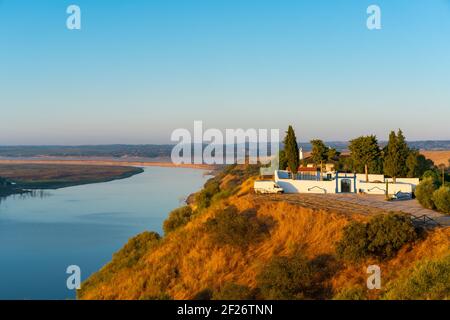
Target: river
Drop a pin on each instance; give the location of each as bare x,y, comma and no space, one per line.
42,234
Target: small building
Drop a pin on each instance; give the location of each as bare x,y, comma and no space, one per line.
309,181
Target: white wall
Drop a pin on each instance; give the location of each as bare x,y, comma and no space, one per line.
372,177
303,186
380,188
403,185
413,181
307,186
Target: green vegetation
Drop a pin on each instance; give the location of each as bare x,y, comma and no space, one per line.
366,155
291,151
380,238
424,192
233,291
428,280
177,218
432,194
352,293
135,248
229,227
441,199
417,164
282,160
214,190
287,278
395,154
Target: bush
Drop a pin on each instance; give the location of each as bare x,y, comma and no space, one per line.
233,291
427,280
388,233
424,192
433,175
354,243
177,218
381,237
205,294
352,293
287,279
229,227
203,198
441,199
135,248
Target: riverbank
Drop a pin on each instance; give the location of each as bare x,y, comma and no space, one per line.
105,162
56,176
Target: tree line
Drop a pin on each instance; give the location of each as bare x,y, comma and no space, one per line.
395,160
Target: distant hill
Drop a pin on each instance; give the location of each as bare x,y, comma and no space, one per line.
429,145
115,151
160,150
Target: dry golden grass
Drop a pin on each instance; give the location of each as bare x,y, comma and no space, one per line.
438,157
187,261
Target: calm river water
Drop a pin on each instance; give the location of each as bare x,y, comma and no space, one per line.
41,235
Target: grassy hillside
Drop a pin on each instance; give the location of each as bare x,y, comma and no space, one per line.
231,244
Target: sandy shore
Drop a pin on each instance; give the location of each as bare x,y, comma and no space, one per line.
108,163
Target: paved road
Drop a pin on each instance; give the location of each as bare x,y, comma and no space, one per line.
408,206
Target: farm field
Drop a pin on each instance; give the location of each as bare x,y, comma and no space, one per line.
438,157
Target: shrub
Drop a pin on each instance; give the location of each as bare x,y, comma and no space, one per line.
229,227
233,291
203,198
354,243
287,279
424,192
427,280
381,237
135,248
177,218
388,233
352,293
433,175
441,199
205,294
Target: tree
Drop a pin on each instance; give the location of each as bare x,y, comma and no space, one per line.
441,199
365,154
395,155
417,164
282,160
319,152
333,154
424,192
291,151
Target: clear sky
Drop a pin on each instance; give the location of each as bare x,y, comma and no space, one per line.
137,70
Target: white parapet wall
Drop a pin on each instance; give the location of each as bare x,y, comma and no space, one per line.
303,186
403,185
372,177
380,188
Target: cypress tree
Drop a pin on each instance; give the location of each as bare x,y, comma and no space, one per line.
291,152
396,154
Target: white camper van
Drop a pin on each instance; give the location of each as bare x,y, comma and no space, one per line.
267,186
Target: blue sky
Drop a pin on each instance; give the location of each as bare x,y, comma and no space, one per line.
140,69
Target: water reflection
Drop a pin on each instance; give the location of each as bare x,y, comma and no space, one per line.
41,194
